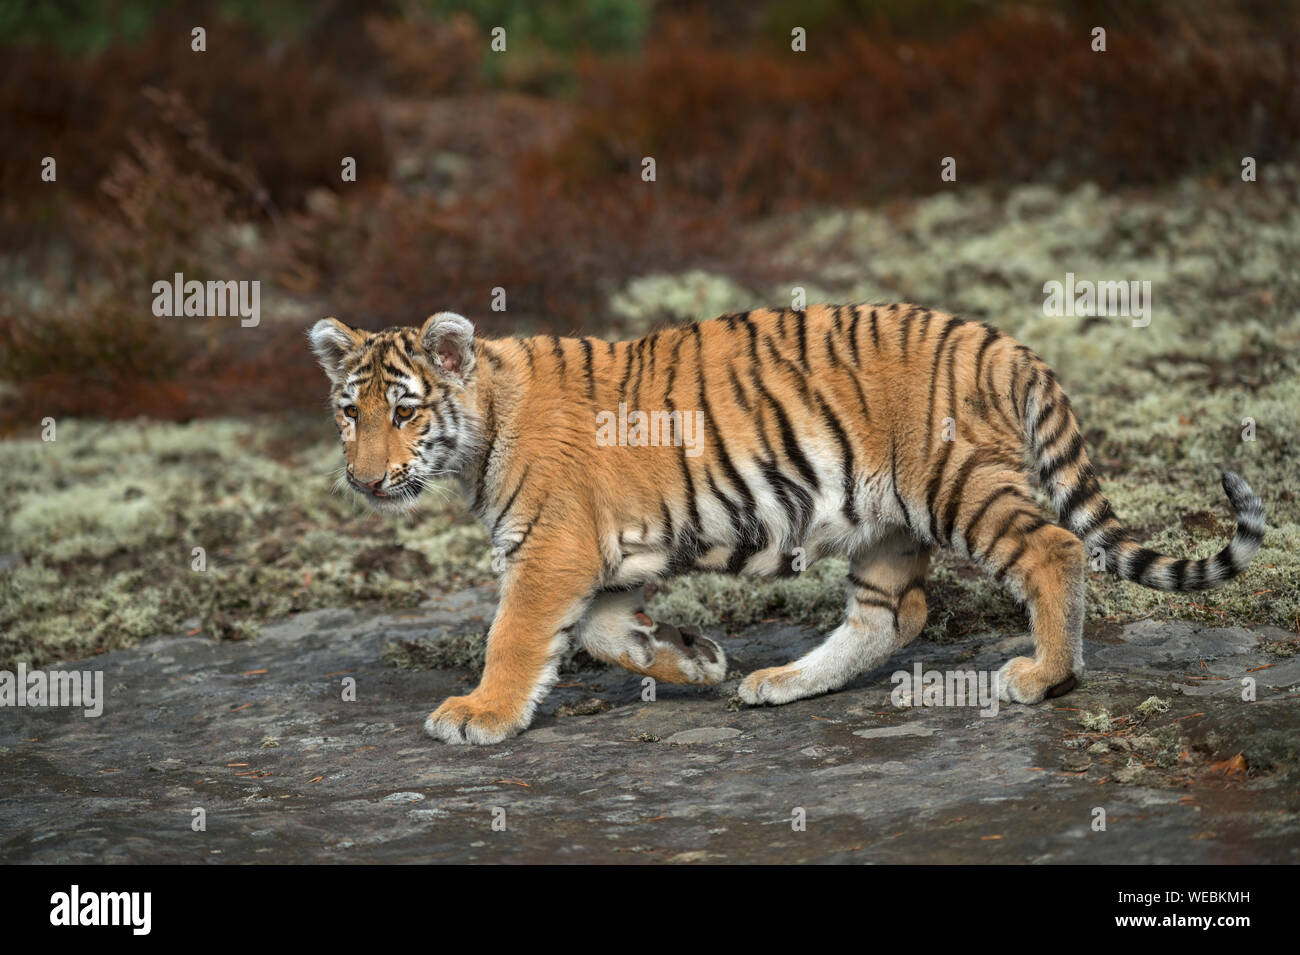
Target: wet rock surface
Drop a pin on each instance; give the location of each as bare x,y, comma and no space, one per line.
259,736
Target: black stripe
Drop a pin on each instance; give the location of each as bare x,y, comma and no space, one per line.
753,339
639,353
1043,414
1103,514
627,372
1029,388
955,498
684,557
926,315
996,403
1083,492
394,372
853,376
794,372
846,453
1004,528
789,442
527,532
934,379
490,429
557,347
978,516
510,500
1017,403
917,584
862,397
1019,552
1056,435
750,532
991,334
881,604
737,391
1048,469
829,342
670,534
693,528
590,369
861,584
853,336
1144,558
794,499
1037,523
1179,569
1248,535
893,480
932,491
1227,563
654,343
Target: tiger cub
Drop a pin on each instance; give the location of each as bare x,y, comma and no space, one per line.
741,444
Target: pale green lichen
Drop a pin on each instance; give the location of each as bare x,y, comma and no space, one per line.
689,296
104,522
1152,706
1098,722
97,538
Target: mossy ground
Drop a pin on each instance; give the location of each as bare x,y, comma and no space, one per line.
103,521
100,524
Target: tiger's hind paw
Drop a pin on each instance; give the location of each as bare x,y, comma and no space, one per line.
1022,680
675,654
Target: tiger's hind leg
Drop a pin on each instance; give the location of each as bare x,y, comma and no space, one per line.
1045,566
617,630
886,610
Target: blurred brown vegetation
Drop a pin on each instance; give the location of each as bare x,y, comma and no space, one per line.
227,165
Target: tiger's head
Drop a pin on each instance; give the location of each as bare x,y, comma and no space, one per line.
400,400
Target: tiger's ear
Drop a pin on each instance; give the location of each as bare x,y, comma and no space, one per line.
449,340
331,340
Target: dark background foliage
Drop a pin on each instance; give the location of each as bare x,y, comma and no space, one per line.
477,170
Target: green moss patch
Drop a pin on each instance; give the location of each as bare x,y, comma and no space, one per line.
104,522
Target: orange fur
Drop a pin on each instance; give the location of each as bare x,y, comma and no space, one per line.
875,432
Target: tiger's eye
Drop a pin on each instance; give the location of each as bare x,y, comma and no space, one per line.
405,411
350,411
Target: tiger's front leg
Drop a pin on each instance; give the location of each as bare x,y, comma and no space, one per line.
539,604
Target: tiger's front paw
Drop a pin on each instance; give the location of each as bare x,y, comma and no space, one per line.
471,719
773,685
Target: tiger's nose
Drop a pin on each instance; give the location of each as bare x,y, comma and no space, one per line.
371,485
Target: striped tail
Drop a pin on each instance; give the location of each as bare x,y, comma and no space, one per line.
1064,470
